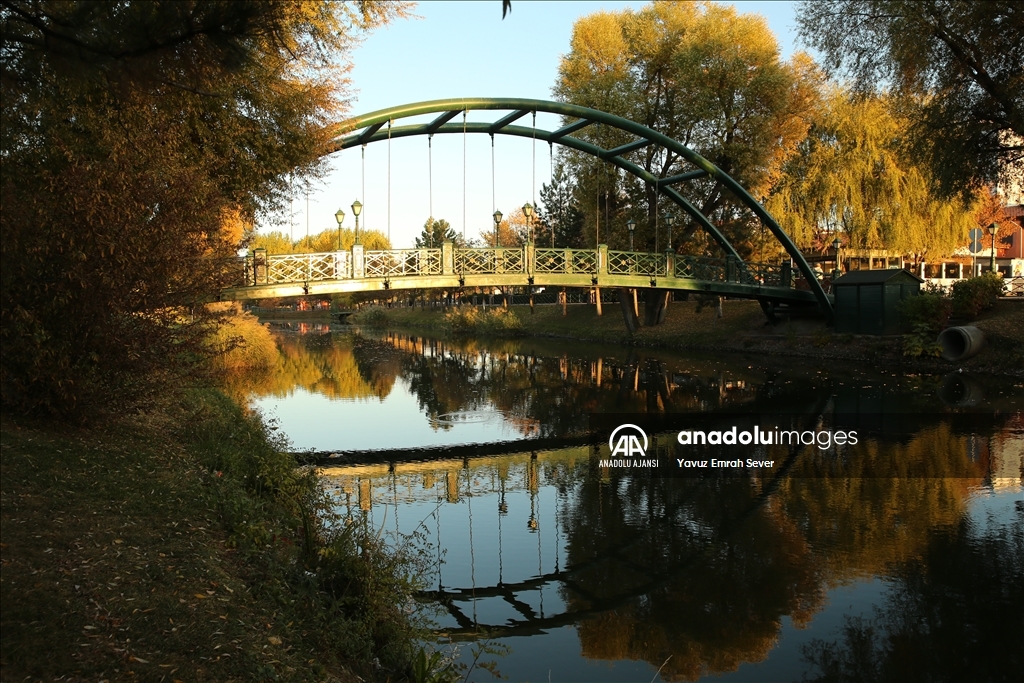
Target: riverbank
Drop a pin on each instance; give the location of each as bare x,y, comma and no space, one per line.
185,545
743,328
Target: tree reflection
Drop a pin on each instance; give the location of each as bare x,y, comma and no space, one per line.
716,565
954,614
318,363
702,572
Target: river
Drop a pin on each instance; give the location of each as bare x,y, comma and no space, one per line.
900,556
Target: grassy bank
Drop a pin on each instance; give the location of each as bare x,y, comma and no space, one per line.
742,327
185,545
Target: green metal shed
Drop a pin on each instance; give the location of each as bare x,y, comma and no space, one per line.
867,301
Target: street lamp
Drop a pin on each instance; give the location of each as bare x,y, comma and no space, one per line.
339,216
528,212
497,224
670,220
357,209
836,243
992,230
631,225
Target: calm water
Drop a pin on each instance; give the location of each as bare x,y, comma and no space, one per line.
899,558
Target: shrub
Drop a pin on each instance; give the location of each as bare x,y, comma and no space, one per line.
375,316
974,295
925,315
496,321
927,312
241,340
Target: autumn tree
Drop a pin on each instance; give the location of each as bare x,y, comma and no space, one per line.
851,179
700,73
276,242
129,129
956,67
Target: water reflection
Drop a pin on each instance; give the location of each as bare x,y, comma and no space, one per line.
700,573
517,389
695,576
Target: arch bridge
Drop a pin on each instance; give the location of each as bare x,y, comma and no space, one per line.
359,270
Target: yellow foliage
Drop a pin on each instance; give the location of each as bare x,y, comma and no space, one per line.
240,340
276,242
852,177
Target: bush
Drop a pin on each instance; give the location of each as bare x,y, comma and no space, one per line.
925,316
928,312
340,583
496,321
972,296
375,316
241,341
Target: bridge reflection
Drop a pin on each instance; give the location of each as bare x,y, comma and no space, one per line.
536,535
645,568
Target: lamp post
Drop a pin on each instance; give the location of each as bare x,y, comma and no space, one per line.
670,220
357,209
528,212
497,224
836,243
992,230
631,226
339,216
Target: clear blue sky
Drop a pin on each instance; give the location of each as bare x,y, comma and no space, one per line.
460,49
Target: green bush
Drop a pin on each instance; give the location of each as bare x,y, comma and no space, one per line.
375,316
338,582
925,316
927,312
974,295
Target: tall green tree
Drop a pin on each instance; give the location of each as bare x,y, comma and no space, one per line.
700,73
437,231
559,213
129,131
851,179
957,65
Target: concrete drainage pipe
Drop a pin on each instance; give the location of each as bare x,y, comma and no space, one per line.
960,343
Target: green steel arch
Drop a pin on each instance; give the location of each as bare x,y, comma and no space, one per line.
371,127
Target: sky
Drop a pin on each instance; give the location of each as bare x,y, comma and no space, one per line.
458,49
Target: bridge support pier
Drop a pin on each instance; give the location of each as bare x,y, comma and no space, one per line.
627,304
656,306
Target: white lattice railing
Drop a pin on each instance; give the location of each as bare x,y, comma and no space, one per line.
401,262
489,261
285,268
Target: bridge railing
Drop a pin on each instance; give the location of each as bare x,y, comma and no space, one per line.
342,265
567,261
489,261
769,274
287,268
636,263
403,262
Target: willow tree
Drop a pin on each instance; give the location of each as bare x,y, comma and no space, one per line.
957,67
851,179
700,73
130,130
